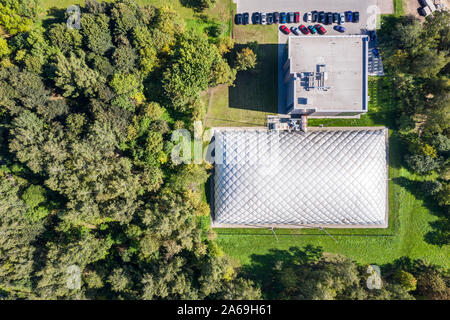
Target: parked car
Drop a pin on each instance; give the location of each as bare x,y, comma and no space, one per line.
329,18
315,16
312,29
295,30
348,16
356,16
290,17
245,17
297,17
256,18
372,35
321,17
308,17
341,18
339,28
269,18
320,29
276,17
263,18
285,29
335,17
376,53
304,29
283,17
238,19
425,11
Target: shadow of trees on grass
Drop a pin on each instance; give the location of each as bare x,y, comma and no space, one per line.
263,268
441,227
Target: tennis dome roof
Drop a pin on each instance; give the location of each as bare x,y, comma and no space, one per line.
327,177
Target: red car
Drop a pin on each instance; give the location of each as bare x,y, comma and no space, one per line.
297,17
320,29
304,29
285,29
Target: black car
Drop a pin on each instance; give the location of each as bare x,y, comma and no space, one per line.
245,17
329,18
269,18
256,19
276,17
238,19
356,16
315,16
335,17
322,17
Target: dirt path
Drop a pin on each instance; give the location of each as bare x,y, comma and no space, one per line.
386,6
210,93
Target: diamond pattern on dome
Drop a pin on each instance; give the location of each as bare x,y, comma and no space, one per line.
323,177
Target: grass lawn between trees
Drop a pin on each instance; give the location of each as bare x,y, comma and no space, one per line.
253,98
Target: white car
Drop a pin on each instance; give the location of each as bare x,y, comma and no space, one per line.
342,18
263,18
308,17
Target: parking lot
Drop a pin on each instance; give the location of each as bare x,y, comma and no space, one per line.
366,8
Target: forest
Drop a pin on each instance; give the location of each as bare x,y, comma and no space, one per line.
417,58
91,204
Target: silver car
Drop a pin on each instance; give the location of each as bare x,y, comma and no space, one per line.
263,18
341,18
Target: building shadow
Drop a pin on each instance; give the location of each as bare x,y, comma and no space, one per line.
257,89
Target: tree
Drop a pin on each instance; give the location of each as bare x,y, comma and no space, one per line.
246,59
124,58
96,32
17,16
199,5
431,285
74,77
422,163
430,187
35,198
4,49
18,234
63,38
190,70
406,280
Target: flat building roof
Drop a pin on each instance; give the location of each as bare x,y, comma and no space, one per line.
330,72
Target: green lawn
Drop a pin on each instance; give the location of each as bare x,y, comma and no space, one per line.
398,7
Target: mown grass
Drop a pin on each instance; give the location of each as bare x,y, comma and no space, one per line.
398,7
